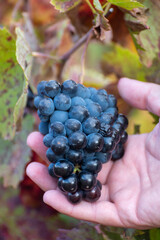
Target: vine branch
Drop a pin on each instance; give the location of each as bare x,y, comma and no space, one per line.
64,58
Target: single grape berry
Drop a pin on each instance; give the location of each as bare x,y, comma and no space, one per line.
95,142
50,170
46,106
118,127
75,197
113,112
92,165
75,156
37,100
52,88
47,140
109,144
94,108
60,185
43,118
79,112
124,138
101,99
102,91
82,91
112,100
87,180
69,87
52,157
103,157
63,168
92,90
77,140
41,88
59,145
118,152
72,125
78,101
62,102
57,129
93,195
59,116
123,120
91,125
44,128
106,118
70,184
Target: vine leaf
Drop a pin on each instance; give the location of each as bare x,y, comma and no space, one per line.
23,53
98,6
126,4
149,40
11,82
15,154
64,5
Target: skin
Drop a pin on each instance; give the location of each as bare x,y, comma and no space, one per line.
130,186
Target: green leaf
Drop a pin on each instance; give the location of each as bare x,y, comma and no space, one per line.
15,154
149,39
122,62
65,5
23,53
154,234
19,107
11,84
98,6
126,4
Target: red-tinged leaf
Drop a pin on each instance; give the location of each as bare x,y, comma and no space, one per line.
65,5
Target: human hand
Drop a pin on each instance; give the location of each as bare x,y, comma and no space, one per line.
130,186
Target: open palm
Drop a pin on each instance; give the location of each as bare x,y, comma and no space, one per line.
130,186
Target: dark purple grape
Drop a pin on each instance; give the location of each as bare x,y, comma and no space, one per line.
93,195
123,120
70,184
118,152
87,180
92,165
63,168
77,140
124,137
95,142
75,197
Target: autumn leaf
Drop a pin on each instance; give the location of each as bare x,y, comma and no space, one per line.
64,5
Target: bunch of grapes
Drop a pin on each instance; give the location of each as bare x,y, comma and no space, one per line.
82,130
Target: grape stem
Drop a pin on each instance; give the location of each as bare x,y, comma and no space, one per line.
63,59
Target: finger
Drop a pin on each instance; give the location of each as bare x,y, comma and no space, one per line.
141,95
104,173
35,142
39,174
152,142
103,212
